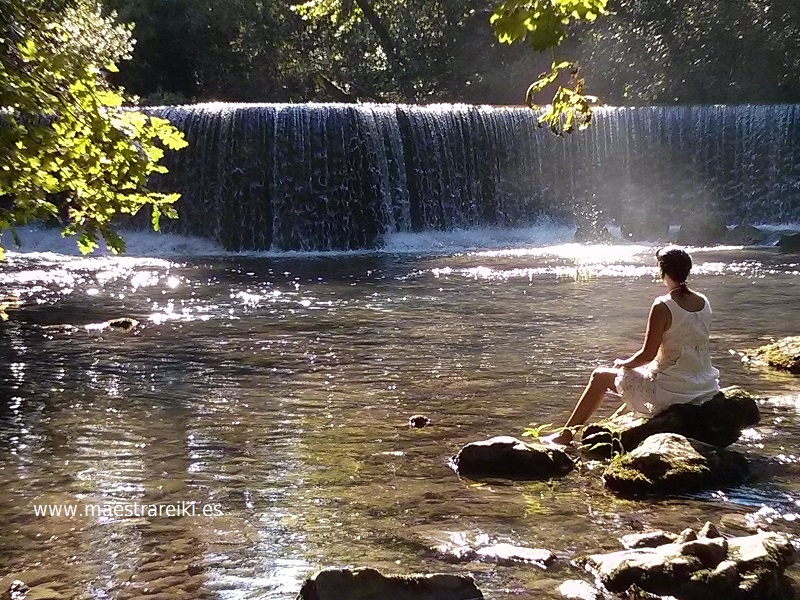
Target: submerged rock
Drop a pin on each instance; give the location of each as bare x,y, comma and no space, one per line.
506,554
575,589
123,324
745,568
369,584
8,302
718,421
508,457
18,590
783,354
461,547
671,463
33,579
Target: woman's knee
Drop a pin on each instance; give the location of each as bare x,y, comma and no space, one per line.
603,377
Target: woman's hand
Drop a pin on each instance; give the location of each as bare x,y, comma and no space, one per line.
620,363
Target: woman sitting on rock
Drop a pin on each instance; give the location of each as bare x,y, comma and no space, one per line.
674,363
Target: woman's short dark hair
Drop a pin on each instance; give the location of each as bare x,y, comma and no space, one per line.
675,262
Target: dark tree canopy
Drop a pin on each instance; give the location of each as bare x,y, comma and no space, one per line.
642,51
693,51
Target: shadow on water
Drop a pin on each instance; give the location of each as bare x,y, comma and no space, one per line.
274,393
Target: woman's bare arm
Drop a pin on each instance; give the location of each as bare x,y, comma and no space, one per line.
657,324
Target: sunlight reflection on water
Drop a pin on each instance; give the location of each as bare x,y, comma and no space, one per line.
280,387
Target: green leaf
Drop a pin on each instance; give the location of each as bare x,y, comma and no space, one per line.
86,243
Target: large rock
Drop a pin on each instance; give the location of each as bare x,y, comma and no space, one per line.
745,568
668,463
704,229
745,235
789,242
783,354
510,458
369,584
718,421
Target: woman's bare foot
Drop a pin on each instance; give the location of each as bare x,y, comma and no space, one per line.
562,438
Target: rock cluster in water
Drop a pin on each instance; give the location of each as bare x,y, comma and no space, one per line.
697,566
681,449
678,450
692,565
718,421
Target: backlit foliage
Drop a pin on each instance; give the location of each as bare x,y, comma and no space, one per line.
542,24
69,151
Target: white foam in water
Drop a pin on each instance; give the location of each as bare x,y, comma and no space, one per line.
486,238
39,240
544,238
781,228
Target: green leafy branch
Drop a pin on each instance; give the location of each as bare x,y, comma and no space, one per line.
543,24
570,107
69,150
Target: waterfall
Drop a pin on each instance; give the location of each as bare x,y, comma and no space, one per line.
338,177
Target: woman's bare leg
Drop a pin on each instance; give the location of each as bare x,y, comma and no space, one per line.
601,380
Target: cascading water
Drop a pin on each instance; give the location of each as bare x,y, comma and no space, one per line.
336,177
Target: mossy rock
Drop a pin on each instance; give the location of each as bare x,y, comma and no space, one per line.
667,463
718,421
783,354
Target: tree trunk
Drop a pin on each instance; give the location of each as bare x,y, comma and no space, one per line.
385,39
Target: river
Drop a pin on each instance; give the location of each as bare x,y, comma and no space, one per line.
273,391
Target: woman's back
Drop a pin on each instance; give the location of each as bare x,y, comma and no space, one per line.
683,364
689,300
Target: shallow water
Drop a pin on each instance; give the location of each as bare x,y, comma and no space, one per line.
277,389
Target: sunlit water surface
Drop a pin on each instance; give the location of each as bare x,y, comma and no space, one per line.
277,389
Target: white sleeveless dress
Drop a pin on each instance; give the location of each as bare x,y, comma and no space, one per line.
681,372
